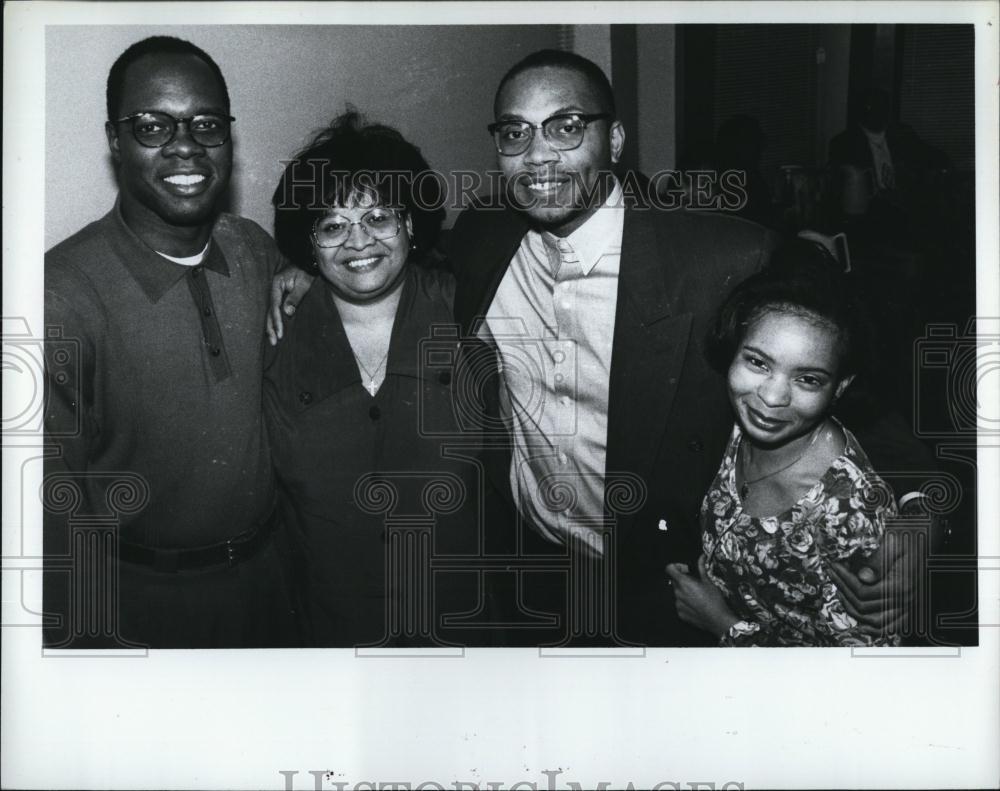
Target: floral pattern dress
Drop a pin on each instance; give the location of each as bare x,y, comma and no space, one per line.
774,570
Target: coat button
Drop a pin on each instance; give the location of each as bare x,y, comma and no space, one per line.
445,377
216,351
696,445
305,397
374,413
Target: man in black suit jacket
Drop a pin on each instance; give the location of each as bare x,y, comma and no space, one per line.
861,143
667,417
882,169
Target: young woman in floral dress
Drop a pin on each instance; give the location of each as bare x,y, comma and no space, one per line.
795,491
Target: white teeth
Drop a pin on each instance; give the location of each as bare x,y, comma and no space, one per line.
543,186
185,180
361,263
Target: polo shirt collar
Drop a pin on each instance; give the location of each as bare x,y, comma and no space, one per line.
155,274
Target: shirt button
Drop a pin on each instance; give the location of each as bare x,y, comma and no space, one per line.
566,305
216,351
305,397
444,377
207,311
374,413
559,357
195,271
559,378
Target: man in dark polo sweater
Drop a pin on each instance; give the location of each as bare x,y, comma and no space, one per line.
159,526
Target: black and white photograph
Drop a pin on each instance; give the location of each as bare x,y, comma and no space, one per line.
482,395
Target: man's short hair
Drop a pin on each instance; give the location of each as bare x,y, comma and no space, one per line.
555,58
154,45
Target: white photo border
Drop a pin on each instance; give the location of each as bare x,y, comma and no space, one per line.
680,718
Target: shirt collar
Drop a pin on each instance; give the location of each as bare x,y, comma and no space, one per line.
154,273
601,232
874,137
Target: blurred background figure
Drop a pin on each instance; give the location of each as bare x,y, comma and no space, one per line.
882,166
739,145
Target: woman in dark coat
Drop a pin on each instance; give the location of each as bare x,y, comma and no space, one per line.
358,396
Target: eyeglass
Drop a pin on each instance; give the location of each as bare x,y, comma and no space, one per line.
155,129
564,132
333,231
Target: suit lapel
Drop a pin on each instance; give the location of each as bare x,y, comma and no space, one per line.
651,338
482,254
488,263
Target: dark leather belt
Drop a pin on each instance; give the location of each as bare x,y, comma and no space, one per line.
226,553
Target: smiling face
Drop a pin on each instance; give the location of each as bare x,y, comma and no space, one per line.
363,268
177,185
784,377
553,185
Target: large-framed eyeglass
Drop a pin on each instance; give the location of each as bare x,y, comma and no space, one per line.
563,132
333,230
155,129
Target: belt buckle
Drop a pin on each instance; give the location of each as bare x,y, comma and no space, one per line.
230,553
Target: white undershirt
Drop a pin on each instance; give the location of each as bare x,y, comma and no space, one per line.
881,158
191,260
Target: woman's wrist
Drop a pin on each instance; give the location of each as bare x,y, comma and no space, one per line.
737,630
725,623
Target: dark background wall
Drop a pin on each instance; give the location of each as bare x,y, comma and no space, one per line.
676,85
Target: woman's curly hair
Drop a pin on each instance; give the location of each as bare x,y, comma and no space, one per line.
348,159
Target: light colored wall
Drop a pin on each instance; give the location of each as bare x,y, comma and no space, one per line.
594,42
656,136
434,83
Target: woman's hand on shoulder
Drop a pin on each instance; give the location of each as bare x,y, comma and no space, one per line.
287,289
